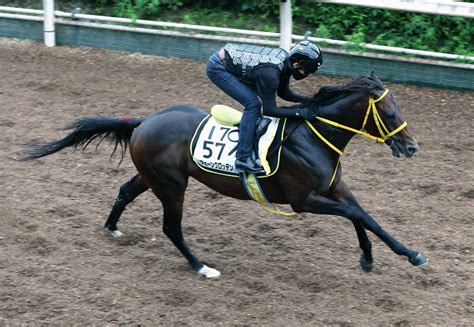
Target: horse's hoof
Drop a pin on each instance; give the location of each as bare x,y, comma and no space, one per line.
209,272
419,260
114,233
365,265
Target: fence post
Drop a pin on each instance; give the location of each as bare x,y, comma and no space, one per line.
286,24
49,33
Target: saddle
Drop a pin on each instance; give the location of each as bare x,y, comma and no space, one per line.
230,117
215,141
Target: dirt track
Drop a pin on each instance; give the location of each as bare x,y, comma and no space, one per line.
58,267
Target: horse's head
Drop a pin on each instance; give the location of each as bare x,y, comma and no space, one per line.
383,118
345,107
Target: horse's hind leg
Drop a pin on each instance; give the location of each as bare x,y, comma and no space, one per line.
169,186
173,213
128,192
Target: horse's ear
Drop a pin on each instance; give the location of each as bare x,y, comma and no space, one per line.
372,74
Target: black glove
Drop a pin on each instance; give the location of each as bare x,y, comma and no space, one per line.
306,113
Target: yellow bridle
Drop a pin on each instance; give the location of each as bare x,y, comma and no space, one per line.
382,129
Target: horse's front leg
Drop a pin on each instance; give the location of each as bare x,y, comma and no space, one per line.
340,201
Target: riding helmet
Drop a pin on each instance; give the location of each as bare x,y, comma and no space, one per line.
308,55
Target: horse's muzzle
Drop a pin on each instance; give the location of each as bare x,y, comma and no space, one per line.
411,149
408,148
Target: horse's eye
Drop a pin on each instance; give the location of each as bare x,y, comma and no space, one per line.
391,116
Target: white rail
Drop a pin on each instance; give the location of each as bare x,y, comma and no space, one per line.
169,33
22,17
93,21
439,7
22,10
165,24
431,54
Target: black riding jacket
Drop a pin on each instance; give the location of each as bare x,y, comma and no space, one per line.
269,81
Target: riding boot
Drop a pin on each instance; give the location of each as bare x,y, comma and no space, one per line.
260,130
245,158
248,165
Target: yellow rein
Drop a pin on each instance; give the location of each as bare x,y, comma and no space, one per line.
382,129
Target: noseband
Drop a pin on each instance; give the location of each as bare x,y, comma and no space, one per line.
382,129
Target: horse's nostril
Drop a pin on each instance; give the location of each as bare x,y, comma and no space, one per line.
412,149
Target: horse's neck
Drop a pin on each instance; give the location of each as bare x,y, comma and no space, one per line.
349,112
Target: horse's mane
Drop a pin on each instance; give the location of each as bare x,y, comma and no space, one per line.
330,94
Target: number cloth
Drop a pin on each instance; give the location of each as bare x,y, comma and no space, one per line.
214,145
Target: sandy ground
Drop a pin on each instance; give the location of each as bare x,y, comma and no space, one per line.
57,266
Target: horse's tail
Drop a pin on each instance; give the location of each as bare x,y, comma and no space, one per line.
86,130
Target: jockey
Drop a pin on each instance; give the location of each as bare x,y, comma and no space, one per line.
253,75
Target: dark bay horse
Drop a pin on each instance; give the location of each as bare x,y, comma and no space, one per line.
309,177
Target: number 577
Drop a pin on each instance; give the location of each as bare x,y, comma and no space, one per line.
210,145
